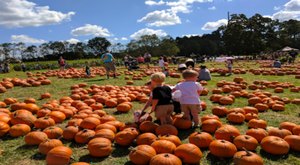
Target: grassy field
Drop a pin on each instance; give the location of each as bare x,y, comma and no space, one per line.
14,151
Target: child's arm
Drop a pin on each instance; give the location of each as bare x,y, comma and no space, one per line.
154,103
148,103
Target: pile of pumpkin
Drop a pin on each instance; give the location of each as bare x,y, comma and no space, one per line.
8,83
275,72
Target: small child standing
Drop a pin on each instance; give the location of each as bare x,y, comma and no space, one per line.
87,69
161,99
190,90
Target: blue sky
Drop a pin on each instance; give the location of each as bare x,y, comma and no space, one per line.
38,21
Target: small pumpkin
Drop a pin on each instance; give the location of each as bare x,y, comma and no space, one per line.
236,118
126,137
106,126
287,125
148,126
279,132
257,123
89,123
275,145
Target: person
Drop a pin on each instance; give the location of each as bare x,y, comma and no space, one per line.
229,64
23,67
61,63
6,68
147,59
109,64
190,63
140,59
277,64
126,61
161,63
204,74
181,67
161,99
87,69
190,91
1,68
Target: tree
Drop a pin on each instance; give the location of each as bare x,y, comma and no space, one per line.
30,52
98,44
168,47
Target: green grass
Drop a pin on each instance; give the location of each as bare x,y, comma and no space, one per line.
14,151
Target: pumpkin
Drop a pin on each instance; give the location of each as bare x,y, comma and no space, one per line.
261,107
35,138
4,128
22,117
254,100
237,118
70,132
84,136
123,107
148,126
100,147
19,130
222,148
126,137
59,155
294,142
45,95
182,123
257,123
226,100
106,126
44,122
80,163
166,129
105,133
116,123
278,107
32,108
30,100
57,116
111,103
89,123
279,132
287,125
163,146
43,112
142,154
53,132
146,138
210,116
275,145
188,153
296,130
219,111
211,125
172,138
245,141
247,158
49,144
75,122
107,118
165,159
250,116
227,132
248,109
200,139
257,133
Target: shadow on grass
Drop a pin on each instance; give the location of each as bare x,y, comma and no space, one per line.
264,154
120,151
38,156
89,158
117,113
183,134
77,145
218,161
95,80
294,153
129,163
26,147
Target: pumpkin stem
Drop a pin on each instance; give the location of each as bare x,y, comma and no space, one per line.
247,152
166,155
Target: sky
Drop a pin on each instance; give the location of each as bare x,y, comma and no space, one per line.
39,21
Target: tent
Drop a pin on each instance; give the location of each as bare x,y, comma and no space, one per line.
288,49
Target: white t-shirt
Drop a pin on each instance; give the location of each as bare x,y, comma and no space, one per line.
189,92
161,63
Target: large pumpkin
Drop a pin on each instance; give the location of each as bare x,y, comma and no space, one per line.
257,123
44,122
222,148
60,155
166,129
247,158
287,125
22,117
163,146
188,153
53,132
236,118
172,138
49,144
294,142
106,126
146,138
84,136
19,130
200,139
123,107
165,159
181,123
219,111
100,147
211,125
279,132
35,138
90,123
142,154
275,145
148,126
257,133
105,133
227,132
4,128
245,141
126,137
70,132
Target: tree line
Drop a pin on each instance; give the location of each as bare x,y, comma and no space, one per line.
241,36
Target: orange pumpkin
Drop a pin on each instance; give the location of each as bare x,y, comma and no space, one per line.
59,155
188,153
100,147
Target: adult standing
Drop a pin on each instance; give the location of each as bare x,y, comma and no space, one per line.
229,63
126,61
190,63
109,63
147,59
61,63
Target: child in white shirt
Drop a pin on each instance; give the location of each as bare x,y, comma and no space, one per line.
190,90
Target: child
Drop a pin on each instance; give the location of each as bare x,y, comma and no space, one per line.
190,91
87,69
161,99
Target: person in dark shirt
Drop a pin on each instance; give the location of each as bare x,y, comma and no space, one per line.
161,99
87,69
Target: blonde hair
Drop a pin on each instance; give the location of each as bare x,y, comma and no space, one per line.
158,77
189,73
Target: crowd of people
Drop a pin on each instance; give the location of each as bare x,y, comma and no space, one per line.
4,68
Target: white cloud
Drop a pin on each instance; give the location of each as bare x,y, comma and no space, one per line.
93,30
152,3
73,40
291,11
276,8
212,8
191,35
160,18
22,13
214,25
124,39
26,39
183,6
146,31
